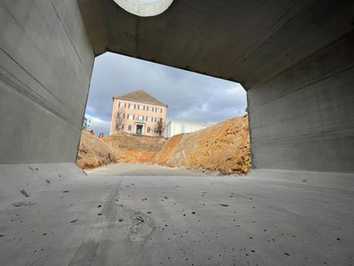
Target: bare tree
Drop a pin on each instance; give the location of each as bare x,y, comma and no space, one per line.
160,127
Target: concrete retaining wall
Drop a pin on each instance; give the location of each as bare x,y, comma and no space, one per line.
303,118
45,70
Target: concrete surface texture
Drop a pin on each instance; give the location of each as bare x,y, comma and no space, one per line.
294,58
45,70
115,218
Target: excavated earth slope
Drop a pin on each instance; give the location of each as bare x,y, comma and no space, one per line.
93,152
134,149
224,147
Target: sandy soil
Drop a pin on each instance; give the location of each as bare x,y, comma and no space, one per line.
223,148
134,149
93,152
129,169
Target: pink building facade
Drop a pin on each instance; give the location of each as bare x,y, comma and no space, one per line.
138,113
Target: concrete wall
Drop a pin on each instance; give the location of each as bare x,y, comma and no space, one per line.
303,118
295,58
45,69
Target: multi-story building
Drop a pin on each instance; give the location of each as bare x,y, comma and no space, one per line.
138,113
175,127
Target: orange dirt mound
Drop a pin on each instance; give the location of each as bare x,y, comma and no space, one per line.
134,149
224,147
93,152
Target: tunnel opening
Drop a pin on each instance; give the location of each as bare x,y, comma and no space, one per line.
140,112
296,60
144,8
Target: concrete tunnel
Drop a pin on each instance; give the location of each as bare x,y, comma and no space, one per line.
294,58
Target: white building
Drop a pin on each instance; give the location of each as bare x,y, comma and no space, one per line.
87,123
180,127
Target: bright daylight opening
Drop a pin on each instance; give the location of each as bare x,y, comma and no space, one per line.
162,119
144,8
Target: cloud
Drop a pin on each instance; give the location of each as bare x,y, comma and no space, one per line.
190,96
98,125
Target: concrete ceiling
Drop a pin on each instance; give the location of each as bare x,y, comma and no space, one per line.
245,41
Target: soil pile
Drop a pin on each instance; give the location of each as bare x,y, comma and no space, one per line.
224,147
134,149
93,152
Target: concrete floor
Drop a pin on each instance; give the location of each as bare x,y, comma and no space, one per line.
110,217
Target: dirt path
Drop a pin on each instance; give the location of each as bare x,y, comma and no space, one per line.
128,169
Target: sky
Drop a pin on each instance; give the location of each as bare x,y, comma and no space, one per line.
189,96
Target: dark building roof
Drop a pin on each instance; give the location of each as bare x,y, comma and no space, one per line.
141,97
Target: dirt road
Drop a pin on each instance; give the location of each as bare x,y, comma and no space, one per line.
128,169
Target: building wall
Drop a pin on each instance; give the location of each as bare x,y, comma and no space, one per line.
45,69
303,118
180,127
126,108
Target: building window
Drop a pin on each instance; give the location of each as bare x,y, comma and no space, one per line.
160,110
123,127
123,115
148,130
130,128
128,116
134,106
143,107
133,117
